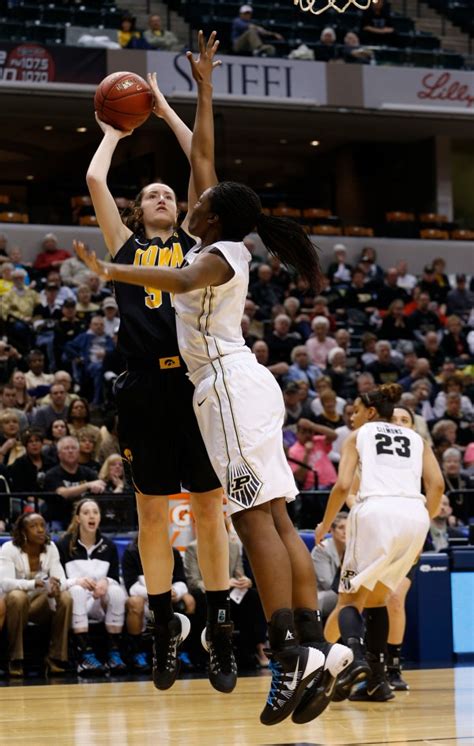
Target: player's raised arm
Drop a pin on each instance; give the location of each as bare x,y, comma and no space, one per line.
202,150
183,134
432,480
108,216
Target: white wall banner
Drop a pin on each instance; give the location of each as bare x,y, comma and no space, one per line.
419,89
259,79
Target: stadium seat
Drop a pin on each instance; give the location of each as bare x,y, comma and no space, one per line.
358,230
88,220
462,235
286,212
315,213
397,216
14,217
434,233
433,217
327,230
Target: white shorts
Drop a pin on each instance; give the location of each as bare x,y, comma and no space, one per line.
240,411
384,536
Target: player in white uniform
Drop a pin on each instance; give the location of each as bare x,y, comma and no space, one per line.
240,411
388,524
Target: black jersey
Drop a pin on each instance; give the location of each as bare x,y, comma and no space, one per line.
147,318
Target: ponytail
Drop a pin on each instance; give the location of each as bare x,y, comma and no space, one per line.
240,212
383,399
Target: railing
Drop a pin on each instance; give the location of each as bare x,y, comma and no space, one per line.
118,509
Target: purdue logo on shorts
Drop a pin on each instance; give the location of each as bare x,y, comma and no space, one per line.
346,578
243,485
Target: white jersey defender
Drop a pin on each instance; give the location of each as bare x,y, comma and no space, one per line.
238,404
388,524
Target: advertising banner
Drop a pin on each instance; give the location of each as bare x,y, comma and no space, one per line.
419,89
260,79
32,63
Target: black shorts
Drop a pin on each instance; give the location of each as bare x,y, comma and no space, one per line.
159,434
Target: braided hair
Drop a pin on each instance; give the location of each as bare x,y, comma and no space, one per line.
240,212
383,399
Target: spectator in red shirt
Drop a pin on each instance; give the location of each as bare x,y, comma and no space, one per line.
312,451
51,257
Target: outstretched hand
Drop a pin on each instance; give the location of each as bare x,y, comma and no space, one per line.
160,104
107,128
204,64
90,260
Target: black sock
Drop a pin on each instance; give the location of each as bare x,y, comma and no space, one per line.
377,630
218,607
308,625
281,629
113,640
351,624
394,654
161,607
135,642
82,642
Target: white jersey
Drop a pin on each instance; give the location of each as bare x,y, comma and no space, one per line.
391,461
208,319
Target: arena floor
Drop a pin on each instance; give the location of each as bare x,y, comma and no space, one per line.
438,711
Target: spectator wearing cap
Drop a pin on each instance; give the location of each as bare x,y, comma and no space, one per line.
405,280
45,317
374,272
320,344
111,316
460,301
53,276
17,306
429,284
326,49
68,327
423,319
339,271
51,256
74,272
247,36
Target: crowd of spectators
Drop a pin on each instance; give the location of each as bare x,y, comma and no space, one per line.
154,37
58,429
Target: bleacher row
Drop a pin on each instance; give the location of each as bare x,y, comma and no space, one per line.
460,12
47,22
407,46
316,221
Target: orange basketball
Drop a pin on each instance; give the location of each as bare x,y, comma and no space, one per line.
123,100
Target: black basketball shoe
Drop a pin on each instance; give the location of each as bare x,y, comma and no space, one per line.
166,641
319,693
217,640
376,688
394,675
293,668
358,671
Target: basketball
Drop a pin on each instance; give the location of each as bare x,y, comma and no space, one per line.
123,100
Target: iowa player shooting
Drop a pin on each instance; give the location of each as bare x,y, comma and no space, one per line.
157,427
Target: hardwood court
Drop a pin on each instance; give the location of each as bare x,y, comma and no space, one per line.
438,711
